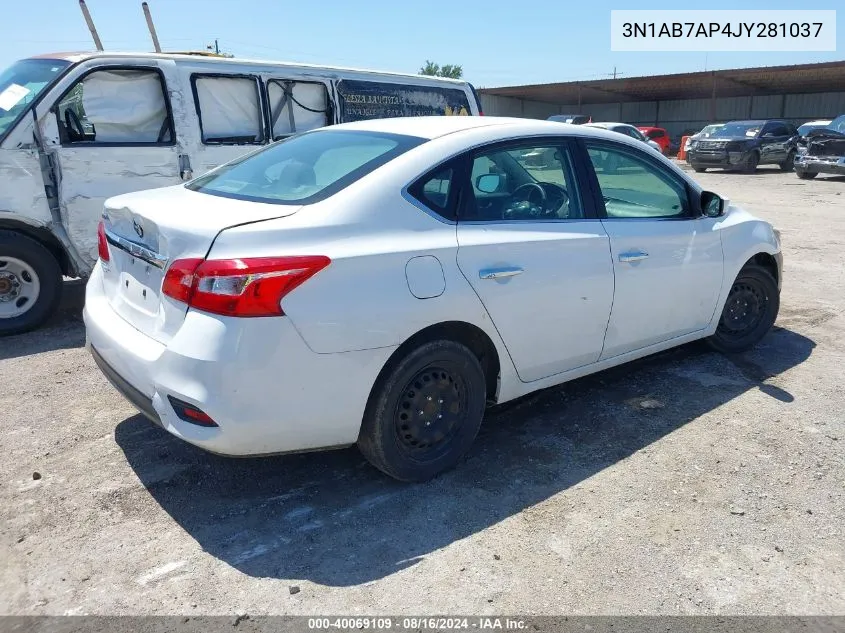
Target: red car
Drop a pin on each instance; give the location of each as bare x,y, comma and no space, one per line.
658,135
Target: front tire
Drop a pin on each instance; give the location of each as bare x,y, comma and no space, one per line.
699,170
30,283
424,411
806,175
749,313
751,163
789,163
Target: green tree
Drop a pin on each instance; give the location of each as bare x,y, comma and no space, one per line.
452,71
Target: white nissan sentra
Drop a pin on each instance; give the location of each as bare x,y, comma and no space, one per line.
382,282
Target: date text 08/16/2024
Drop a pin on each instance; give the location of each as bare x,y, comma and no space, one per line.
417,623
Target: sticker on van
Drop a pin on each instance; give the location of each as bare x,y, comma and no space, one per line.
361,100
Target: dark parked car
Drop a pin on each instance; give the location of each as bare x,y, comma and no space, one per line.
822,151
574,119
743,145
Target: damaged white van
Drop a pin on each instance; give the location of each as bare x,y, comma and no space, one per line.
76,129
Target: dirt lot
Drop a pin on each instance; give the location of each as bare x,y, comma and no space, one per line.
726,494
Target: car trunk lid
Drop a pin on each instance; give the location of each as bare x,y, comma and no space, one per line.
147,231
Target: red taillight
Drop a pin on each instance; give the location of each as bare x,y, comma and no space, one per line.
102,243
251,287
179,279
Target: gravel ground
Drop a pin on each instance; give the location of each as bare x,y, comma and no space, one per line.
686,483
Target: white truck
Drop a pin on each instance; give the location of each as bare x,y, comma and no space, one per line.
76,129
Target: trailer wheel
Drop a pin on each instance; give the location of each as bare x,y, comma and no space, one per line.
30,283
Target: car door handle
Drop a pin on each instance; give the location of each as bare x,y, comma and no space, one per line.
499,273
633,256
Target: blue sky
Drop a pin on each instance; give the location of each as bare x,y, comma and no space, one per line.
498,42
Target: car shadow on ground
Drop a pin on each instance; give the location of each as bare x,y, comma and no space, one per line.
332,519
61,331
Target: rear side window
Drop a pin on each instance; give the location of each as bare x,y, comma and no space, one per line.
297,106
229,109
362,100
115,106
433,191
305,168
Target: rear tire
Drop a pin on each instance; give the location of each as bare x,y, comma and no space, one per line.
806,175
30,283
789,163
424,411
749,312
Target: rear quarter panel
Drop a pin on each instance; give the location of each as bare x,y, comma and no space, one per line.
362,300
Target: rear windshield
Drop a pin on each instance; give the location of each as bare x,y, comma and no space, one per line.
306,168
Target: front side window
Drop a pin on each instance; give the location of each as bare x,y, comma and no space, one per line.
529,183
633,187
778,129
229,109
20,85
115,106
305,168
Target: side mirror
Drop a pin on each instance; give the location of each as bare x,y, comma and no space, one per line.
488,183
712,205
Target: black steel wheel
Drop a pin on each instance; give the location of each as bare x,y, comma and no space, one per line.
749,312
424,412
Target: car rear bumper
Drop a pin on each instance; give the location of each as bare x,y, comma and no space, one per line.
820,164
256,378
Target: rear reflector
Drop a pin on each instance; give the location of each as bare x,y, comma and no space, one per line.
251,287
189,413
102,242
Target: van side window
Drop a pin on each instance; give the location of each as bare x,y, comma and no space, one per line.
297,106
360,100
116,106
229,109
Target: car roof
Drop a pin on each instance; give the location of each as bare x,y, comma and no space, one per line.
430,127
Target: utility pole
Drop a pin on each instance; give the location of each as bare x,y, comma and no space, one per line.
216,47
614,73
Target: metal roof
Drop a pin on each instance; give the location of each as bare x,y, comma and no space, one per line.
213,58
739,82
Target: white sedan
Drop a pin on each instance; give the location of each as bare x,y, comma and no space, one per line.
383,282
